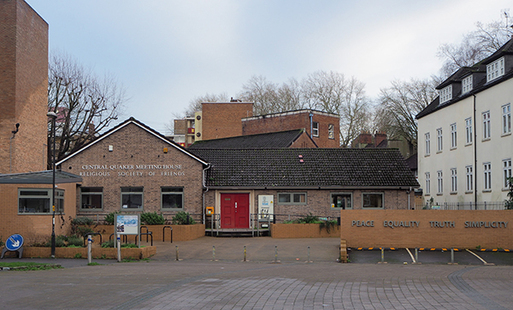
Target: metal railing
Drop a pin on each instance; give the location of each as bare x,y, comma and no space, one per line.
484,205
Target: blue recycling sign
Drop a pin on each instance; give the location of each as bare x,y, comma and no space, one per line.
14,242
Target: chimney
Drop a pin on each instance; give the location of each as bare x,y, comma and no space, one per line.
380,137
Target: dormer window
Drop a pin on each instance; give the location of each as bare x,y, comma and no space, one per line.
495,69
466,84
446,94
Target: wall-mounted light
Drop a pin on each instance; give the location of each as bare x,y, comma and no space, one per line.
111,148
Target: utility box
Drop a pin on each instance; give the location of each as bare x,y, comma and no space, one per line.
209,211
265,207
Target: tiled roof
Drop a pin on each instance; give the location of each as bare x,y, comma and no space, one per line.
41,177
480,85
282,168
280,139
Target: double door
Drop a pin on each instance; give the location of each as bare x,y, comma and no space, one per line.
235,210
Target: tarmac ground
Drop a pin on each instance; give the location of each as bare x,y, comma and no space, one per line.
211,273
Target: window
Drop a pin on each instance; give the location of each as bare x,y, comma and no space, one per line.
469,180
506,119
315,129
428,183
467,84
132,197
91,198
439,140
38,200
454,180
372,200
292,198
428,144
440,182
468,130
331,131
171,197
487,168
454,136
486,125
341,200
506,171
446,94
495,69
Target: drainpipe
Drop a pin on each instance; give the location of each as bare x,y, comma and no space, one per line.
475,155
204,192
409,195
311,124
14,132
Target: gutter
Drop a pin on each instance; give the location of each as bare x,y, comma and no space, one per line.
475,153
204,192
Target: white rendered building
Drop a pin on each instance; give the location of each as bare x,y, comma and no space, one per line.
465,143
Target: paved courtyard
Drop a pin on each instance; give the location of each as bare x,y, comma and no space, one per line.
259,283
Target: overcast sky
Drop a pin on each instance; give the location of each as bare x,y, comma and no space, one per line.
166,53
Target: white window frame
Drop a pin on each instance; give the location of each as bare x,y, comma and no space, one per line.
315,129
506,119
446,94
428,143
487,132
487,174
469,184
428,183
454,180
468,131
454,136
439,140
495,70
467,84
440,182
506,173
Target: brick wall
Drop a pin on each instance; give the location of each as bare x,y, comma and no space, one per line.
295,120
133,145
34,227
223,120
435,228
303,141
23,87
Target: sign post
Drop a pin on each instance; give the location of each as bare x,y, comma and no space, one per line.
126,224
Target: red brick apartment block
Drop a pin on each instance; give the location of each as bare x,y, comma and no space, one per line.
23,87
326,126
223,120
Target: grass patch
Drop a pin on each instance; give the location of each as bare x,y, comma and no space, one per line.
94,264
28,266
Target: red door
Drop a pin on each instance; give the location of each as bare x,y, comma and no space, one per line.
234,210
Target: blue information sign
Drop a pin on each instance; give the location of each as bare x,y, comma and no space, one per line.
14,242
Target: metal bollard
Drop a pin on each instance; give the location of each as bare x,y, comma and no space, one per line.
309,254
452,255
214,253
275,253
119,248
244,253
89,242
416,255
177,253
382,255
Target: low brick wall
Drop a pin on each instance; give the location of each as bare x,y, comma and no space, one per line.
427,228
303,231
180,232
96,252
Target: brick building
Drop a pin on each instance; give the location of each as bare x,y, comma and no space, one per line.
223,120
23,88
323,127
132,168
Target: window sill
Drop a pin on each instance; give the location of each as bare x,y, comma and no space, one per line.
486,140
487,190
438,152
469,192
453,193
427,194
440,194
427,155
454,148
506,134
468,144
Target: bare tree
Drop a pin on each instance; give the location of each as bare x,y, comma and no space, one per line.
476,45
400,103
262,93
84,103
195,104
